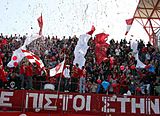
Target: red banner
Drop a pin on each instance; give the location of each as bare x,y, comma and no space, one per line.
42,101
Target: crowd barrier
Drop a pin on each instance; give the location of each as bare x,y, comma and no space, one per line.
45,101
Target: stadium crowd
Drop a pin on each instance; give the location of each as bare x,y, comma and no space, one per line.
118,72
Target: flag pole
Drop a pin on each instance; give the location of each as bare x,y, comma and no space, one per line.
58,91
59,83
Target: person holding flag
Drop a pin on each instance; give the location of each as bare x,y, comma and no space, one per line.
67,77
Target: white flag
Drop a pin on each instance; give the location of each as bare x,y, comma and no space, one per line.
134,46
17,56
82,47
139,63
58,69
31,38
81,50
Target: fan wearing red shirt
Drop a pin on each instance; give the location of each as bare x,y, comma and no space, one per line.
29,74
3,74
22,74
37,71
75,77
76,71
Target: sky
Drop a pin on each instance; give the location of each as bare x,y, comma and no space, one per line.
70,17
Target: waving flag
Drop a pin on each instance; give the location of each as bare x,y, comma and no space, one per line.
129,24
134,46
57,70
40,23
17,56
101,38
92,30
82,47
101,47
33,58
31,38
35,36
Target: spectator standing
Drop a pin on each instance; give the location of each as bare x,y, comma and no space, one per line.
3,74
29,74
117,51
88,86
22,74
145,88
67,77
94,87
82,80
75,77
3,78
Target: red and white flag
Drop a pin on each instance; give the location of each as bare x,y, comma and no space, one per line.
40,23
18,55
129,24
33,58
57,70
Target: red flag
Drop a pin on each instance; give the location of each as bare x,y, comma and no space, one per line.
40,23
129,24
100,52
101,47
92,30
101,38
